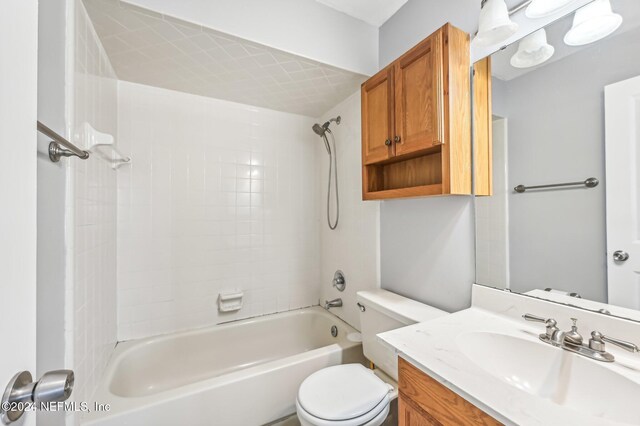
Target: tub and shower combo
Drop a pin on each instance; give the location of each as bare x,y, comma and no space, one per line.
242,373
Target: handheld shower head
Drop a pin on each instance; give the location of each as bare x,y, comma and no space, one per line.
322,130
319,129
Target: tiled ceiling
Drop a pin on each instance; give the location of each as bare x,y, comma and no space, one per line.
158,50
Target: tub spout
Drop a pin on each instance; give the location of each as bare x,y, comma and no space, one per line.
335,303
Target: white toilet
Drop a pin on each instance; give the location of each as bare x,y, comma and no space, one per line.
351,394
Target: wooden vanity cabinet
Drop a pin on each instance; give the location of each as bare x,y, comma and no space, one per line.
423,401
416,123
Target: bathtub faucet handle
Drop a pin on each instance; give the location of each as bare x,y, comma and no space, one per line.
339,281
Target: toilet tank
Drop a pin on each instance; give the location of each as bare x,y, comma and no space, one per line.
384,311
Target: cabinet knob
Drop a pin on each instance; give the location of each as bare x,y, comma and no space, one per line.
396,139
387,142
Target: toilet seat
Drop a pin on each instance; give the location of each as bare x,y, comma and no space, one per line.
374,418
344,395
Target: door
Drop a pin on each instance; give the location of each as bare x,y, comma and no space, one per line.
622,147
18,83
377,117
419,97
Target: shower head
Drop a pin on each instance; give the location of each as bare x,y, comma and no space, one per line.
322,130
319,129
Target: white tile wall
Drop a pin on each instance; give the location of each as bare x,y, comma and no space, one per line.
492,218
353,246
90,326
219,197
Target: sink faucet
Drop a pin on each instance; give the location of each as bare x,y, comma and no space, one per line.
335,303
572,340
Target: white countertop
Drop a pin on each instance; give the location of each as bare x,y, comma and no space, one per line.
434,347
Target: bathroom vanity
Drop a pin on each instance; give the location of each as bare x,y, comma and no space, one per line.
487,365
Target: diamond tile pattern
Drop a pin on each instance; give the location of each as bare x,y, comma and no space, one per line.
158,50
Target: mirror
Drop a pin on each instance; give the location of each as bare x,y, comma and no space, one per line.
549,128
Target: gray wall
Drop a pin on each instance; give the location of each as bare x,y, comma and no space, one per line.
427,250
427,245
419,18
51,196
556,134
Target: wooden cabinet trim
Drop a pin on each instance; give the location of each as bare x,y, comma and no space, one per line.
483,127
442,404
457,99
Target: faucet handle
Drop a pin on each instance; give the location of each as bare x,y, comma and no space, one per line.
550,322
597,342
552,331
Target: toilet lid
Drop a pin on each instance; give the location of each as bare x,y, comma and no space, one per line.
342,392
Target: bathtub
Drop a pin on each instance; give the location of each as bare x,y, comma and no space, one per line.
241,373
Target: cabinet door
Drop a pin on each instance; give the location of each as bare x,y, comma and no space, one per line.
436,403
377,117
419,97
408,415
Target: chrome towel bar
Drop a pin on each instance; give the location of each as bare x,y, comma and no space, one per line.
55,150
589,183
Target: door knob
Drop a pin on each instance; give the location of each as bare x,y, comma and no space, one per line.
53,386
387,142
396,139
620,256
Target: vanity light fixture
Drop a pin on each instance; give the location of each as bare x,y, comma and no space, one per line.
543,8
494,25
532,50
592,22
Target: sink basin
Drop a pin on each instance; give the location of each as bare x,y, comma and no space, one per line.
566,379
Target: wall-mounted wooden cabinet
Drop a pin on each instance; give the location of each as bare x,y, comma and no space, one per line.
416,123
423,401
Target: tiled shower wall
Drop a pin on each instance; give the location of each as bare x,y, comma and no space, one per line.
90,327
219,197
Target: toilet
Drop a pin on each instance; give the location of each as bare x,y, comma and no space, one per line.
351,394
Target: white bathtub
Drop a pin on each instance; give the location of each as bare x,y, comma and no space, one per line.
242,373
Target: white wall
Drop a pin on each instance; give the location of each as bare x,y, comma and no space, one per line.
51,196
353,246
18,111
302,27
219,197
91,212
427,245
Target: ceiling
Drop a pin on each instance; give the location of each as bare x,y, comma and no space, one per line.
373,12
158,50
502,69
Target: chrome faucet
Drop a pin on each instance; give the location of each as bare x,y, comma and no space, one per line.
572,340
335,303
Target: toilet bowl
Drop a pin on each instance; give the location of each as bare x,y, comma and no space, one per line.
351,394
